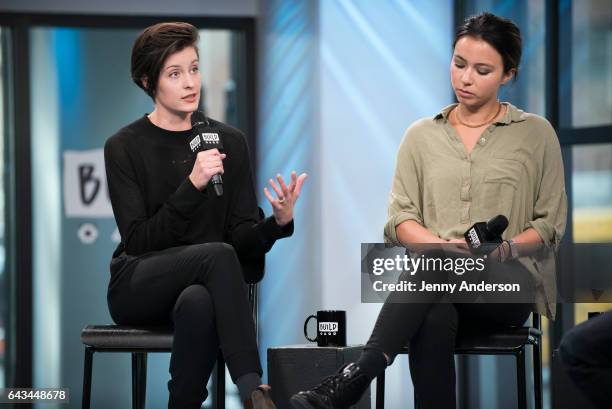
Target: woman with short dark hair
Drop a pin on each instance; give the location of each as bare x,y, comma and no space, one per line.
179,260
475,159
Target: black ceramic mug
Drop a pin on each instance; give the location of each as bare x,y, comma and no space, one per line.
331,328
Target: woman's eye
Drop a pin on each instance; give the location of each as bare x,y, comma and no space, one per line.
173,74
195,69
483,72
459,65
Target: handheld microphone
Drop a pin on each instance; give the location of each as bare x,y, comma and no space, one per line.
204,140
484,237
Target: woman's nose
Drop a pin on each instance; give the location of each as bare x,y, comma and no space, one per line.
466,77
189,81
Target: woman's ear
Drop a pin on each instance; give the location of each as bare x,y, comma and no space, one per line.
145,82
508,76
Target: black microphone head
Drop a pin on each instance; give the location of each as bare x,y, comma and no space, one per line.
497,225
204,136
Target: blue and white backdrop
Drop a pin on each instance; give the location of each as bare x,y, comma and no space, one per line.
340,82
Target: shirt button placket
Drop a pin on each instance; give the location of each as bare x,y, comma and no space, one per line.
465,190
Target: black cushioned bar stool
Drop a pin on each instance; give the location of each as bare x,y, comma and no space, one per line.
504,341
139,341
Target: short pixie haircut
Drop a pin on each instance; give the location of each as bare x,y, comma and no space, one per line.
153,46
501,33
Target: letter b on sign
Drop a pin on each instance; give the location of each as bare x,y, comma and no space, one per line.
85,191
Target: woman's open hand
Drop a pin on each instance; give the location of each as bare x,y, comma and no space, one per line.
286,196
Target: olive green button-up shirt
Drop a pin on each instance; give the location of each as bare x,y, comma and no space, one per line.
515,169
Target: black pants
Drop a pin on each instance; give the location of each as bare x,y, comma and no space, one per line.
200,289
430,330
586,351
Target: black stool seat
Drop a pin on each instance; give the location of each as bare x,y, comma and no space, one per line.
139,340
504,339
128,337
495,341
508,340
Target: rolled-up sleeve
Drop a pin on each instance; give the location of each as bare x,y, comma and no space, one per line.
405,199
550,210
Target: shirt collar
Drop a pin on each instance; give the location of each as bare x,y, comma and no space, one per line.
512,115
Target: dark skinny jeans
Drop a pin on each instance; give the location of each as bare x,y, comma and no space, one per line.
429,327
201,291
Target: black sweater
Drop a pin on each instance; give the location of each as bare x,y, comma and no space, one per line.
156,206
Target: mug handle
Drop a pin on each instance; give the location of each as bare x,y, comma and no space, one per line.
306,328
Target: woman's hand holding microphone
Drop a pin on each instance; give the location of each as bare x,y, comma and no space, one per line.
207,164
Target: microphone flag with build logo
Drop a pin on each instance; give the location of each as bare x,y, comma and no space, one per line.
205,137
484,237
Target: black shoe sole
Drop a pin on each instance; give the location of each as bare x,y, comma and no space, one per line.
300,402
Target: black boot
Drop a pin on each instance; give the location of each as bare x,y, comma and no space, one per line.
338,391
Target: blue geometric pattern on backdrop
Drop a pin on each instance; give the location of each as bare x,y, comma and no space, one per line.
383,66
341,81
286,142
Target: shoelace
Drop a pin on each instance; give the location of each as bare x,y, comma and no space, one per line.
347,388
328,385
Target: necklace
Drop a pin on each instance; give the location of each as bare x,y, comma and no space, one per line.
499,106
